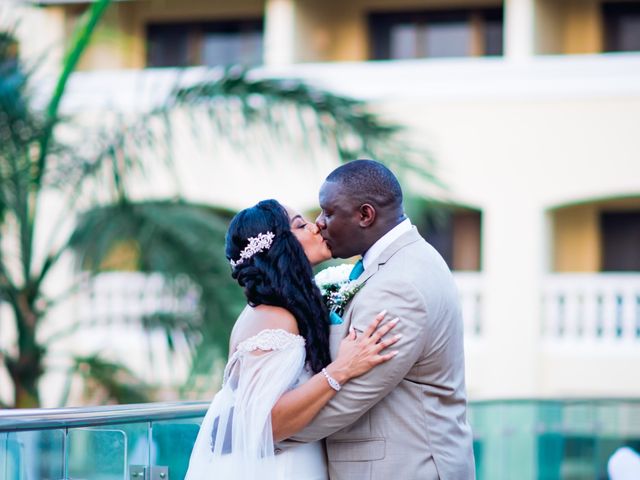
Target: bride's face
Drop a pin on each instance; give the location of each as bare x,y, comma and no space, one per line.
308,234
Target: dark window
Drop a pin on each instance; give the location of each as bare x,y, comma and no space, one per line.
620,241
492,30
456,235
433,34
622,26
205,43
438,231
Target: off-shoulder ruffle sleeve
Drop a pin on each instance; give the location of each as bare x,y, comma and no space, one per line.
235,439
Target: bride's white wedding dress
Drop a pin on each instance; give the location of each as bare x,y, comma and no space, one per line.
235,439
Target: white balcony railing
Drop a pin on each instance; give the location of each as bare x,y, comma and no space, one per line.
131,296
601,307
595,307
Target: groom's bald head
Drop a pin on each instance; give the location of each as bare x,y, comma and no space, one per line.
360,201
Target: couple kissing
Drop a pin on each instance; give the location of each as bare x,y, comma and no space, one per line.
369,387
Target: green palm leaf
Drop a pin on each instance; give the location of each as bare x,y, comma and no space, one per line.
178,240
108,382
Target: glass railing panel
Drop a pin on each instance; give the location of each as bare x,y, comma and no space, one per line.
137,443
516,422
32,454
523,439
97,453
503,439
618,425
579,435
551,440
172,442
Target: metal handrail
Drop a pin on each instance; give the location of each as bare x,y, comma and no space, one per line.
568,400
57,418
52,418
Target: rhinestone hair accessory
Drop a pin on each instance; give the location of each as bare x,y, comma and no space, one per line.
257,244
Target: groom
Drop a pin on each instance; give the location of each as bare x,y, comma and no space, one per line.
405,419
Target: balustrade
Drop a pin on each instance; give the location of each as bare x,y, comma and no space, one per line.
601,306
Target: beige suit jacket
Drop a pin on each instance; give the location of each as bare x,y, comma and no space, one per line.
405,419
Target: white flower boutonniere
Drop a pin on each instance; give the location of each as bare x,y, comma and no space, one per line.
337,289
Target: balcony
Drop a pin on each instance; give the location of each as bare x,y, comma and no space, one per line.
594,309
524,439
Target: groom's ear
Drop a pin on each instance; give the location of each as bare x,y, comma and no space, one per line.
367,215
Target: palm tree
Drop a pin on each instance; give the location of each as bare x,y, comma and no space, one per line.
40,160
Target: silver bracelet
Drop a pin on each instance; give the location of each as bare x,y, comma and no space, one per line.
333,383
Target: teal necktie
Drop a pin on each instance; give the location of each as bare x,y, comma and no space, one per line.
356,271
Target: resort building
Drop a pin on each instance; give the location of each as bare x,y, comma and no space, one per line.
530,109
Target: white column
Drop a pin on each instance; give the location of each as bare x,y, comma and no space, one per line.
514,243
279,33
519,29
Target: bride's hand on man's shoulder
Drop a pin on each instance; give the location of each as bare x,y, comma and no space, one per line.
360,352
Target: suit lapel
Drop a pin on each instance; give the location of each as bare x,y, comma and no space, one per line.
406,239
338,332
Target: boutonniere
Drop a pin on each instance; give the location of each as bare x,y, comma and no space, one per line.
337,289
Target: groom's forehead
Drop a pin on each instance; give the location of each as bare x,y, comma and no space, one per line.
332,194
330,189
335,196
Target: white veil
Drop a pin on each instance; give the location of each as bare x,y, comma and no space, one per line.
235,439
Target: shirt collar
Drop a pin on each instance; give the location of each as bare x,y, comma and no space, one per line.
383,242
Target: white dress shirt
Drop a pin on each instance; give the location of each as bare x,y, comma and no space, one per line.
383,242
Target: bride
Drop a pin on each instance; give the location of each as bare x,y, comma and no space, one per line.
279,374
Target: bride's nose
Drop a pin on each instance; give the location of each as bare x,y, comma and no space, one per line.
313,228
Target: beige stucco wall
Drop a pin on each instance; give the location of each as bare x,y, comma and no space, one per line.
516,159
605,373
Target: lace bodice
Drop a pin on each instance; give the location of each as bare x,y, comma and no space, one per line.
271,339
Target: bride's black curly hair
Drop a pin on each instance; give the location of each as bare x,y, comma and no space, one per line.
280,276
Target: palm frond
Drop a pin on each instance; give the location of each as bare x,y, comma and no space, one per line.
81,38
178,240
345,125
233,108
109,382
172,237
20,126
